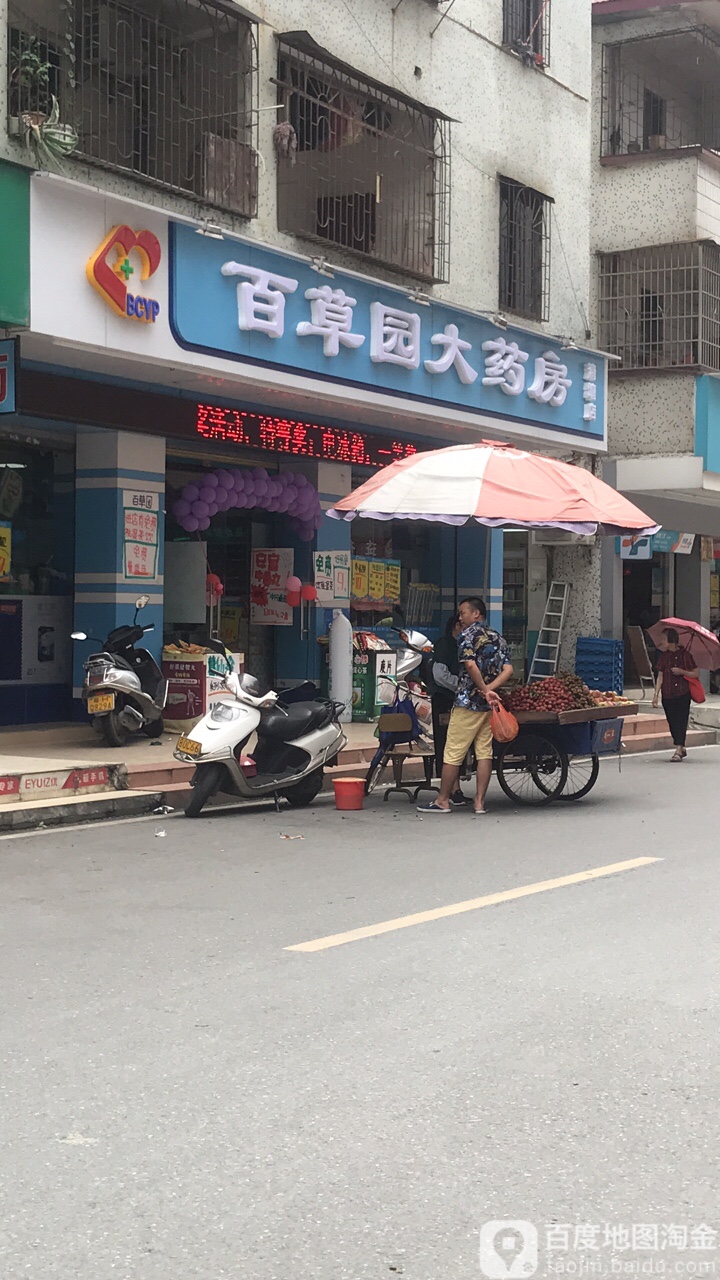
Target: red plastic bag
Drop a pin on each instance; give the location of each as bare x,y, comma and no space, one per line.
505,727
697,693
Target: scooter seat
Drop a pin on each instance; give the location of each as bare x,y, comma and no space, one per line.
299,718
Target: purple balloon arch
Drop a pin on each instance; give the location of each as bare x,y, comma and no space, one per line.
223,490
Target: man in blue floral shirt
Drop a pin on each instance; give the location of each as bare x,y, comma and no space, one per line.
484,667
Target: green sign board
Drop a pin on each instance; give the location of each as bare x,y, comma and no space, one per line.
15,246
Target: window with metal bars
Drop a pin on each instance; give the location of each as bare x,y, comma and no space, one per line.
659,307
163,90
361,166
526,30
661,93
524,250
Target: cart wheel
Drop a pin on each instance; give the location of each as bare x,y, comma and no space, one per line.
532,770
375,773
582,775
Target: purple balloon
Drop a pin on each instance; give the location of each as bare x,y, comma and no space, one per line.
224,478
190,524
223,499
213,508
292,492
191,493
210,481
207,494
205,523
300,481
241,500
181,508
260,486
200,509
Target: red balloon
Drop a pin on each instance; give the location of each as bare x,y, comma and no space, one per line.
309,592
293,598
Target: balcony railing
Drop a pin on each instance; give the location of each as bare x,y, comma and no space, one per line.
659,307
661,93
365,168
162,90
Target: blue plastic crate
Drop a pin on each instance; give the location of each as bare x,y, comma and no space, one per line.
600,662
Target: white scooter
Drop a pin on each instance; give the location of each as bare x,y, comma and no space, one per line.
294,744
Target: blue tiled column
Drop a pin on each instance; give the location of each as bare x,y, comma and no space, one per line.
108,464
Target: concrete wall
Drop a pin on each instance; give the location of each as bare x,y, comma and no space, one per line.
651,413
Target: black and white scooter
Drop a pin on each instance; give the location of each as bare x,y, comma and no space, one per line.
124,689
294,744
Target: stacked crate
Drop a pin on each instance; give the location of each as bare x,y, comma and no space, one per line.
600,663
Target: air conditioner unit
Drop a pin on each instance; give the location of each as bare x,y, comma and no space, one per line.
561,538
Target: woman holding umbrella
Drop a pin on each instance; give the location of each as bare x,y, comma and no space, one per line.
674,666
686,649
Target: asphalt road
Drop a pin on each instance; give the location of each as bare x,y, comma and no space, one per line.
182,1097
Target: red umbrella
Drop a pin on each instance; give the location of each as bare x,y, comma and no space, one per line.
702,645
495,485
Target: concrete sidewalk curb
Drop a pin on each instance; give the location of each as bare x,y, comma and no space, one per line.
42,814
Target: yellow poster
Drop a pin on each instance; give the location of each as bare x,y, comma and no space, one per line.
5,549
392,580
230,619
360,579
377,579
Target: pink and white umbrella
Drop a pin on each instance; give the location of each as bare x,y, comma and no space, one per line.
702,645
496,485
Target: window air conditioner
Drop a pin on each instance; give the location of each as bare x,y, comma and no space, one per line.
561,538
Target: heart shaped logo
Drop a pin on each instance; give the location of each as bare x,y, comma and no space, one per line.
114,280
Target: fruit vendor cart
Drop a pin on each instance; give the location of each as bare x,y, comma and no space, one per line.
564,730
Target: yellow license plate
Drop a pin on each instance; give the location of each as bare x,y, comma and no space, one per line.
101,702
188,747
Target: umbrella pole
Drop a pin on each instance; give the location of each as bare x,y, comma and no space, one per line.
455,567
486,570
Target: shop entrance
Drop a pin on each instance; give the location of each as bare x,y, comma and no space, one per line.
648,590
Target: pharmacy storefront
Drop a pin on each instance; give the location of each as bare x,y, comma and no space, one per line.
219,395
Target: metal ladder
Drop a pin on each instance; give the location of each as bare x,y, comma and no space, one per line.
547,650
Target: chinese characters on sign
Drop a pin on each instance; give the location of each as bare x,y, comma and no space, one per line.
270,569
395,336
375,582
637,1237
7,375
332,578
297,438
5,549
140,534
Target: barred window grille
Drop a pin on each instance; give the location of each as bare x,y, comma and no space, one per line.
371,172
526,29
163,90
524,250
659,307
661,93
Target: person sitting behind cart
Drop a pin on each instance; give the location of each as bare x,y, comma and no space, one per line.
445,673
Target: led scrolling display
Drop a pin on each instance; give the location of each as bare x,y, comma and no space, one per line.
300,439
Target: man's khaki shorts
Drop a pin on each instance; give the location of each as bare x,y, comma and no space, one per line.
465,729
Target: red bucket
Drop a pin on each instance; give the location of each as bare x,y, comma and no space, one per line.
349,793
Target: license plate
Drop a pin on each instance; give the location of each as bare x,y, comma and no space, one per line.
101,702
188,747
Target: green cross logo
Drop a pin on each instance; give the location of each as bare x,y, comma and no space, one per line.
126,269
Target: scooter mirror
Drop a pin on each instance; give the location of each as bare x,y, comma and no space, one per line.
141,602
78,635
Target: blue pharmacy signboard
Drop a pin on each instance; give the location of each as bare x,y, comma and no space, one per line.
231,299
8,350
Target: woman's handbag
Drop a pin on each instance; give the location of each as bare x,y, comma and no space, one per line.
697,693
505,727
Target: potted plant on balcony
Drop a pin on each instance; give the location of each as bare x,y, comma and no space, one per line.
29,86
48,139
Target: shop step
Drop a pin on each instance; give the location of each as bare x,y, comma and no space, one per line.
661,741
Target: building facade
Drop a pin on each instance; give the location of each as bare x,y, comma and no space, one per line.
280,245
656,237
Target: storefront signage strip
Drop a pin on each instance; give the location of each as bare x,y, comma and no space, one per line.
233,299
